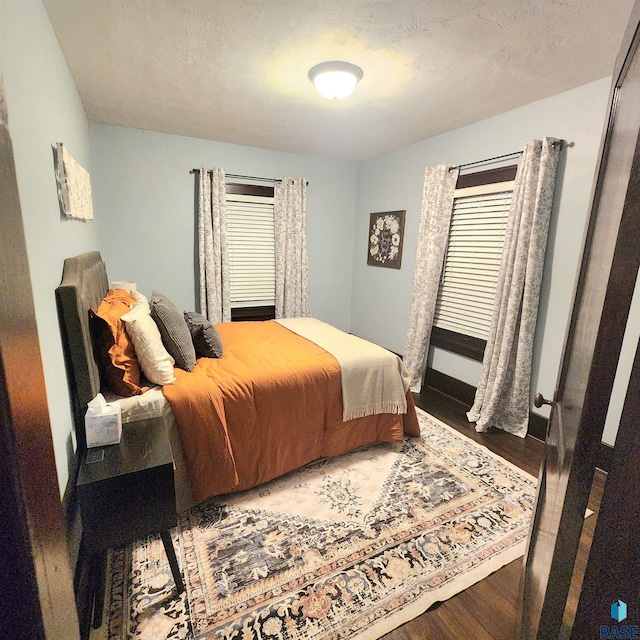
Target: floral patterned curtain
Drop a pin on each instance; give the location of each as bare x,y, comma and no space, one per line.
292,269
433,234
502,398
213,250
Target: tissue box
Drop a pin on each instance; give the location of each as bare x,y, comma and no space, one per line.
103,428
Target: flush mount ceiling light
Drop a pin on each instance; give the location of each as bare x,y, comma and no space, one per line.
335,80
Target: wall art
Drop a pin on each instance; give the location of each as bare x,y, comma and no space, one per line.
386,232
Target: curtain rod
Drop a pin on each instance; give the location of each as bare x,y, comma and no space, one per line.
514,154
239,177
233,175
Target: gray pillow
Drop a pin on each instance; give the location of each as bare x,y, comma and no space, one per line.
173,331
205,336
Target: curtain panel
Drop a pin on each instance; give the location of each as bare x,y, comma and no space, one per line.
292,268
213,250
502,397
435,217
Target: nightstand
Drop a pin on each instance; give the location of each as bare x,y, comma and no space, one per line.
126,491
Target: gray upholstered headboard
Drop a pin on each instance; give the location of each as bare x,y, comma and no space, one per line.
84,285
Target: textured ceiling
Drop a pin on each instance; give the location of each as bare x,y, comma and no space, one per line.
236,70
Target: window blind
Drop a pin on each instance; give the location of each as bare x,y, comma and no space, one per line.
472,260
252,264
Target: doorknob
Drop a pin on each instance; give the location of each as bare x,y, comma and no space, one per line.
539,400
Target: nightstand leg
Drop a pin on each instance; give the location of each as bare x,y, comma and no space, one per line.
173,561
99,562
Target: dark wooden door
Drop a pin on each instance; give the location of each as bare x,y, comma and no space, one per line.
613,570
602,299
37,601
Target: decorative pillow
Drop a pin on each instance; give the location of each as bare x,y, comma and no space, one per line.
204,335
114,351
155,361
173,330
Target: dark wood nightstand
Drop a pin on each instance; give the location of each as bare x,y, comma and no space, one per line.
126,491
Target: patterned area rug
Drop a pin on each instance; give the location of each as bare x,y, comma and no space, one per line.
350,547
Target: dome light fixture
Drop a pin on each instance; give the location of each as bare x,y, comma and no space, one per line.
335,80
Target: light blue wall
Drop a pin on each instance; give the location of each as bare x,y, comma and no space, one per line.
623,373
381,298
144,197
144,203
44,108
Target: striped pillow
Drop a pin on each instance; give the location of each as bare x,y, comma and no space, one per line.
173,330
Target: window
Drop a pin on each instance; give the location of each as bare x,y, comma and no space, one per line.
251,251
472,261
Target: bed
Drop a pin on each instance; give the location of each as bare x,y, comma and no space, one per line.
272,403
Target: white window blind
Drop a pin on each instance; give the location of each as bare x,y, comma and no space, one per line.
252,263
470,271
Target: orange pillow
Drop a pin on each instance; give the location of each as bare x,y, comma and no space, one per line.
114,351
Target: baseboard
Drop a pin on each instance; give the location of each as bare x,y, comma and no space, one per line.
465,393
537,426
450,386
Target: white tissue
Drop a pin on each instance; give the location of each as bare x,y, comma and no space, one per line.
98,405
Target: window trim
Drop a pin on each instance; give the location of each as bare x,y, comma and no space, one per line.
252,314
464,345
460,343
249,189
489,176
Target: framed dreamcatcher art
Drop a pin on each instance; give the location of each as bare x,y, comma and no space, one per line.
386,232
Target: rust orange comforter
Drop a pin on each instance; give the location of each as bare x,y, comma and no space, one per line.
272,404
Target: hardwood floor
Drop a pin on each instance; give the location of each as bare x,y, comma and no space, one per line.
489,610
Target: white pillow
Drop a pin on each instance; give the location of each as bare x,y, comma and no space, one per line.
154,359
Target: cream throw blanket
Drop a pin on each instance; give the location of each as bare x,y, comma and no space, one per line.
374,380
